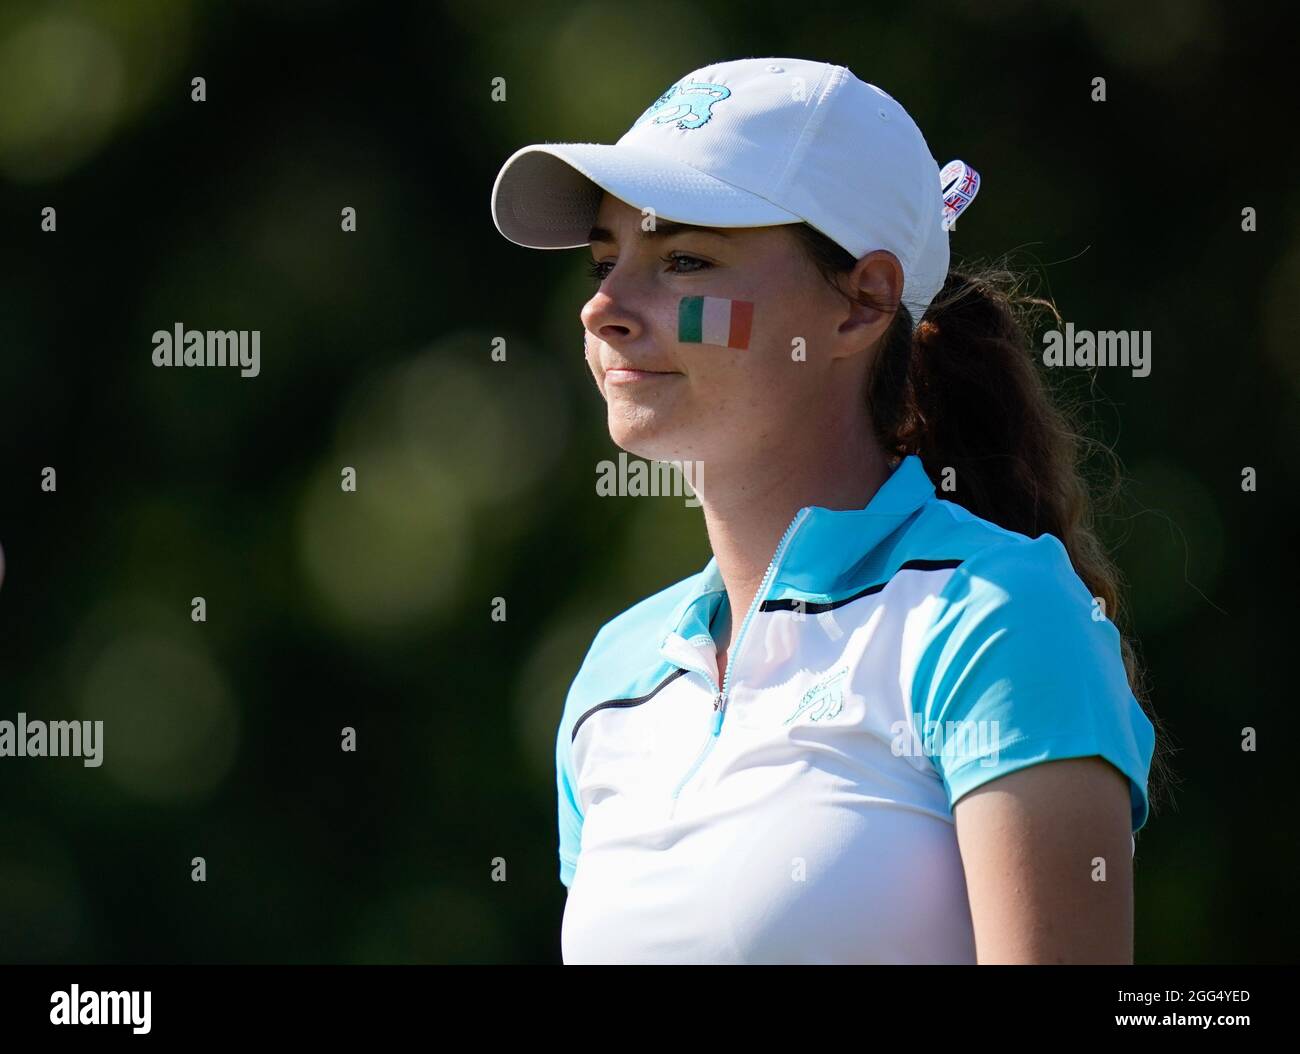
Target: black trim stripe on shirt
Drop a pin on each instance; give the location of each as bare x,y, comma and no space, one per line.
814,609
627,702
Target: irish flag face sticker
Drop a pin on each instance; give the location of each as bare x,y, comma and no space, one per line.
714,320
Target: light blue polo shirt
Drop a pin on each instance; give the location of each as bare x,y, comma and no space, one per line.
896,658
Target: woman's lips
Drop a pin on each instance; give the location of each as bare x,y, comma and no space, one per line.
622,376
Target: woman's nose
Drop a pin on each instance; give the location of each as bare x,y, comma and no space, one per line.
610,315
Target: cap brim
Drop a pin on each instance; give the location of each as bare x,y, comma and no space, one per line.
546,196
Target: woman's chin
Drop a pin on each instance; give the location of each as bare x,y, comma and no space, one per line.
657,435
641,435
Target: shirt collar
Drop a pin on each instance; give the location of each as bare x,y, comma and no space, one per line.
820,546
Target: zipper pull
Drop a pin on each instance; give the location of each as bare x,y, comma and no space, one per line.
717,717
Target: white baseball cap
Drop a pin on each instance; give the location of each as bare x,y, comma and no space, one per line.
751,143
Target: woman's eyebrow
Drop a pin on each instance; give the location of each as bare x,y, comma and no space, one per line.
662,229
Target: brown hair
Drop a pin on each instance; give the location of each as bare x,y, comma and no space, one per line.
963,390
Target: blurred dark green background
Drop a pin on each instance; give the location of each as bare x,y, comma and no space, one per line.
476,479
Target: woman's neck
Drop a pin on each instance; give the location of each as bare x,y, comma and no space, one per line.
746,517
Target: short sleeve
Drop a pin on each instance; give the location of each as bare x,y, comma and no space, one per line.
570,815
1018,667
569,811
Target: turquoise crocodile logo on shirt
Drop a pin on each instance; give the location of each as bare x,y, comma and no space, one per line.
824,699
689,103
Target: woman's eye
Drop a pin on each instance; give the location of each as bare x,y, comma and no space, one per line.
597,270
678,257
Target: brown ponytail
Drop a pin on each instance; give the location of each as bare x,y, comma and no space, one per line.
964,390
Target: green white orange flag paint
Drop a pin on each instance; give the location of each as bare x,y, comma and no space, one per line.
715,320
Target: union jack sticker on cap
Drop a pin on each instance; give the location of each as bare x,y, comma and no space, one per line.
959,184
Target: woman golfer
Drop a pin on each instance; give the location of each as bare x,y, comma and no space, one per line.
891,719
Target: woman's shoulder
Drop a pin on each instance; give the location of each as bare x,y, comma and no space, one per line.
623,657
1016,647
1035,576
646,618
988,556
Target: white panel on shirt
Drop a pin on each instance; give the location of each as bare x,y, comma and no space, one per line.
803,837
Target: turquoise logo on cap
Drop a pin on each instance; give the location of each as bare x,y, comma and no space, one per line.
689,103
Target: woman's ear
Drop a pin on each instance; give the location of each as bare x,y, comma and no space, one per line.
879,276
874,285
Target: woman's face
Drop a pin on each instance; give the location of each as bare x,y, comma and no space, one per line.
803,368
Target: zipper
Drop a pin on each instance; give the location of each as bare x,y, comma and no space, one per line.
720,694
